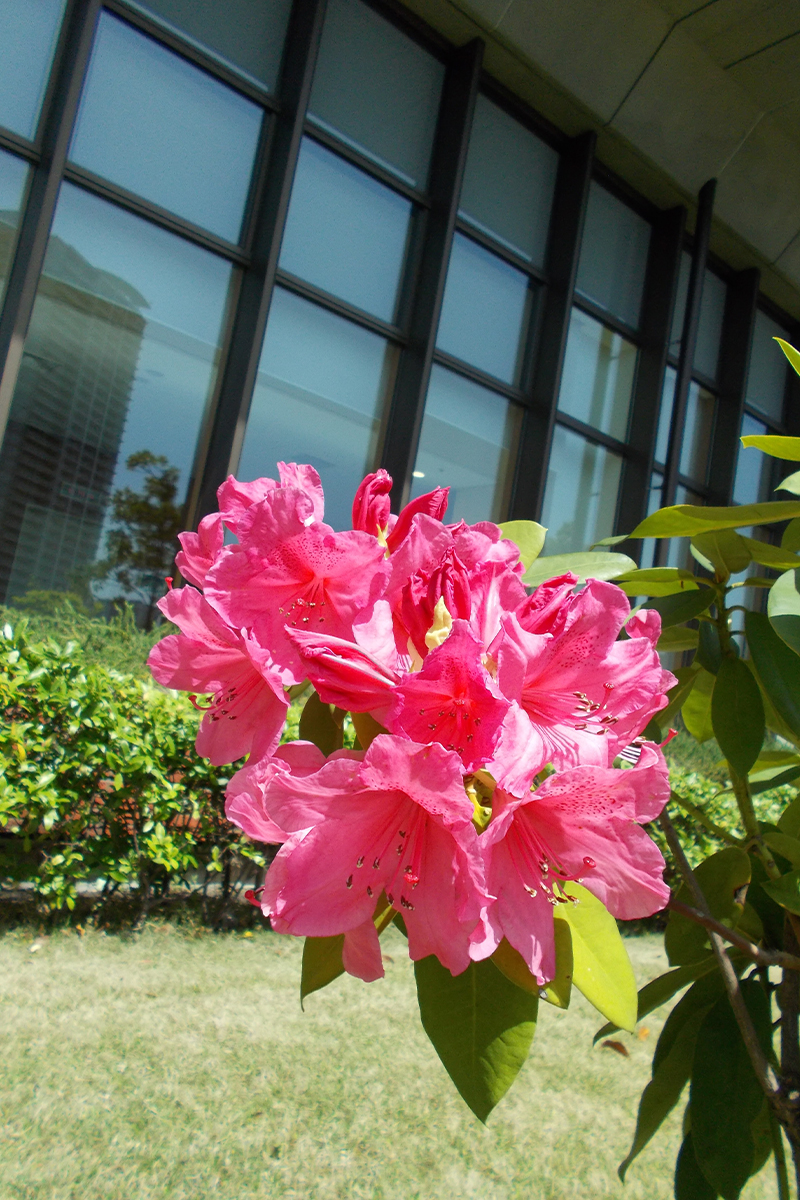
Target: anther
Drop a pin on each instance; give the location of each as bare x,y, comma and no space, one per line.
349,881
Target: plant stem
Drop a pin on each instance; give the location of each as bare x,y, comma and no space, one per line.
764,958
781,1173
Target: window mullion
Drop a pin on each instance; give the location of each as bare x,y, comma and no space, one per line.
734,361
569,211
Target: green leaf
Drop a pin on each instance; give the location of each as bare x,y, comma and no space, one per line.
725,549
690,1182
782,843
687,520
725,1096
765,781
709,651
785,891
659,991
610,541
601,968
322,963
787,448
794,360
586,565
481,1026
761,1130
656,581
696,710
675,610
778,672
721,876
783,608
676,696
737,715
317,725
768,555
672,1062
790,484
789,820
513,965
790,539
675,638
527,536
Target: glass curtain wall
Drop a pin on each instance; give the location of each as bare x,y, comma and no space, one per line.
594,402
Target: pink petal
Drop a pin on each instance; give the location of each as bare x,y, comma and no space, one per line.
432,504
307,479
361,954
371,505
199,551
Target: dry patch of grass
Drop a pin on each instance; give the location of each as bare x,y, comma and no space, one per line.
181,1067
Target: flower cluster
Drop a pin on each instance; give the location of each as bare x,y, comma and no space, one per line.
489,721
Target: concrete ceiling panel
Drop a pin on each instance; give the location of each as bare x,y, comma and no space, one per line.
789,262
486,12
750,31
758,192
686,114
772,78
595,48
713,23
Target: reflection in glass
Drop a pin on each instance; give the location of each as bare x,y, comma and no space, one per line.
766,379
28,35
377,89
648,554
13,178
468,441
345,232
250,37
753,469
709,332
613,257
665,415
597,382
154,124
580,501
320,397
696,445
508,182
121,356
485,311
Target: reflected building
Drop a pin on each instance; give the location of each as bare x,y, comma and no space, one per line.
65,429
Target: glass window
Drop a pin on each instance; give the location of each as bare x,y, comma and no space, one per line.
154,124
679,553
320,398
121,357
13,178
665,415
346,232
250,37
753,469
377,89
766,379
613,257
508,182
648,554
597,382
696,445
28,35
580,501
485,311
468,441
709,332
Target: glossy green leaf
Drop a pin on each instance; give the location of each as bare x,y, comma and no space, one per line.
778,671
771,556
793,356
587,564
737,715
317,725
656,581
709,651
725,549
672,1062
721,876
770,914
787,448
690,1182
785,891
527,536
790,484
677,695
696,710
687,520
675,638
789,820
322,963
601,968
675,610
784,844
762,1137
790,538
766,781
774,761
610,541
481,1026
559,990
725,1096
783,608
659,991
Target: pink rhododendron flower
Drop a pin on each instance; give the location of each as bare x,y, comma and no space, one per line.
371,511
248,709
236,496
582,825
397,821
199,551
432,504
244,797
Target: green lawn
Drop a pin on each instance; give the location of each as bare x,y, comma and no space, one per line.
179,1065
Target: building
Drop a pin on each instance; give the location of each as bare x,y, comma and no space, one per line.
533,249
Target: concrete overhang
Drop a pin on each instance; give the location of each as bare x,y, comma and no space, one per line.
679,91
